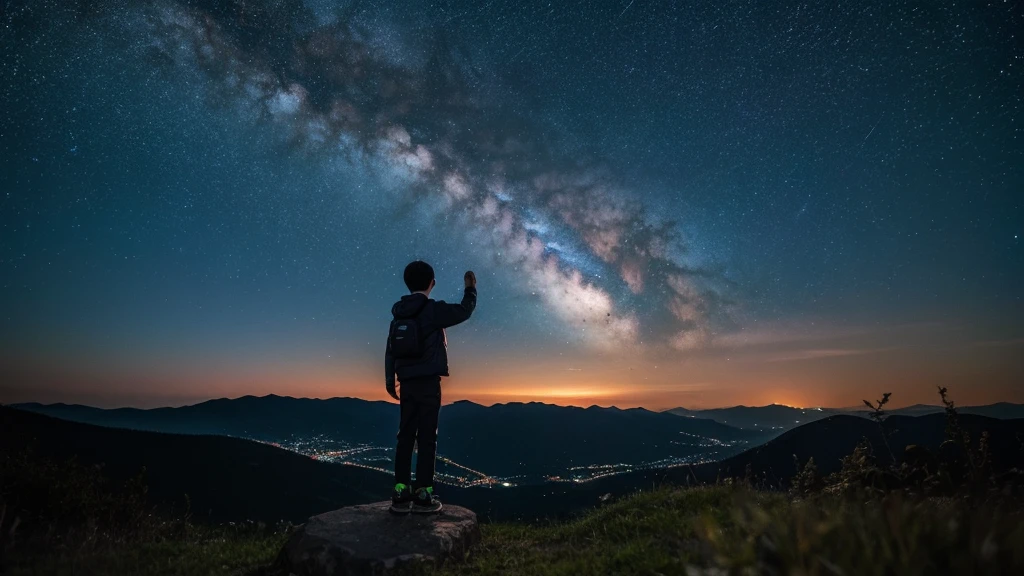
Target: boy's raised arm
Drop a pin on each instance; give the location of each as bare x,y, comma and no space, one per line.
451,314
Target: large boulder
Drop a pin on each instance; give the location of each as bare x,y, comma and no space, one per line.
369,539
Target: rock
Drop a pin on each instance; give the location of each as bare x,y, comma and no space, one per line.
369,539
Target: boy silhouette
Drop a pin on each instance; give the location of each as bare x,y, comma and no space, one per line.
417,353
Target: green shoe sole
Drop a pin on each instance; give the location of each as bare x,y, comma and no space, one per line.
403,508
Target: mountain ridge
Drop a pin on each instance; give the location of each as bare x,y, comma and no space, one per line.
780,417
523,442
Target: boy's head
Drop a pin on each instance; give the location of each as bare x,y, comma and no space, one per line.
419,276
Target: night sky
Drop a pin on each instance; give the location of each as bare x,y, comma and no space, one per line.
692,203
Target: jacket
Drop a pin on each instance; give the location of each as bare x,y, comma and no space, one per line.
433,317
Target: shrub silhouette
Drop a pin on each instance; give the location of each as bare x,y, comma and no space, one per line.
959,469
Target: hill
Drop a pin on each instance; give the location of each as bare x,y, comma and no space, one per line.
827,441
707,530
225,478
778,418
526,442
721,530
521,439
774,417
269,418
1003,410
830,439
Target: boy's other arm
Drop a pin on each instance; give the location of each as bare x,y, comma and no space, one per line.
389,370
448,315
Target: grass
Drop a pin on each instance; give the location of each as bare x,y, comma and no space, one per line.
68,518
736,530
689,531
209,551
655,532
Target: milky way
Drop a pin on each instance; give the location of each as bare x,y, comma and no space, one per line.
336,95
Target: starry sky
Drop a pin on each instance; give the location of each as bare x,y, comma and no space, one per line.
701,203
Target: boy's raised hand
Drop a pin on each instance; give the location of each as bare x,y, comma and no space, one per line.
470,279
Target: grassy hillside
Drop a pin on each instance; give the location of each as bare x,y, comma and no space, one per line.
225,479
666,531
224,550
67,517
738,530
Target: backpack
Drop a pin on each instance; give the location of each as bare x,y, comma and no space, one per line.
404,338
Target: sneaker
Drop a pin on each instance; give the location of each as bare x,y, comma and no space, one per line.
401,499
424,502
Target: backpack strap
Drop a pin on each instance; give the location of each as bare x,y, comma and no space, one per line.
416,316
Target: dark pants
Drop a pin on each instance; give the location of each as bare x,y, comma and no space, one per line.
421,402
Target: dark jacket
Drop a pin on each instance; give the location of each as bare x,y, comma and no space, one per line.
433,317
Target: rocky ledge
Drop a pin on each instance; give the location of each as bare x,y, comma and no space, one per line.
369,539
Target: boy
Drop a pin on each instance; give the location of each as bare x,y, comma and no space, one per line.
417,353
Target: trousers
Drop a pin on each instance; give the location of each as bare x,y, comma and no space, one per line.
420,401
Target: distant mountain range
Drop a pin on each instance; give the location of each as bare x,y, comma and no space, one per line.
830,439
774,417
508,440
225,478
778,418
524,442
236,479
